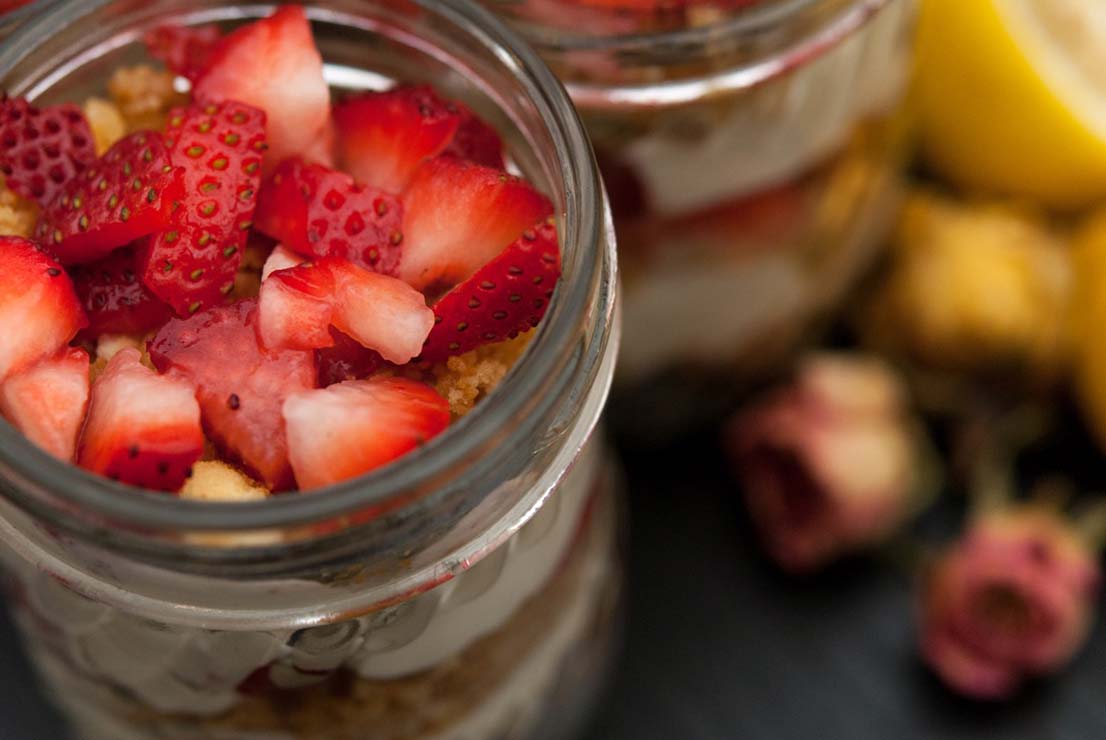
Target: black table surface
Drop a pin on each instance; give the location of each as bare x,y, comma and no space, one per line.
721,646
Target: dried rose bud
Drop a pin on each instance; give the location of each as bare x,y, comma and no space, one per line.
828,462
1012,599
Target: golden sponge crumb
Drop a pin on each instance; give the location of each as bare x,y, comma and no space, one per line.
247,281
465,379
106,121
18,215
144,96
216,481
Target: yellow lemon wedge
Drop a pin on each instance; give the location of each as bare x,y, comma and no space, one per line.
1012,96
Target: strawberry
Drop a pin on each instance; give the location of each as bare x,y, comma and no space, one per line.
507,296
38,306
142,428
281,258
298,306
384,136
113,297
458,215
43,149
273,64
348,429
185,50
47,401
345,360
192,264
127,194
319,212
240,386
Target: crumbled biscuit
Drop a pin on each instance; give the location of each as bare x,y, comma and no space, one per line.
17,214
465,379
106,121
144,96
216,481
247,281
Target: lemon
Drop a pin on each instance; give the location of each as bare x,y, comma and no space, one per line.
1012,96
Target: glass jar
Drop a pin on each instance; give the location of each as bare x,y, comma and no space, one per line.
466,591
752,157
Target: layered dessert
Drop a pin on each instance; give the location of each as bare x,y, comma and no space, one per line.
236,286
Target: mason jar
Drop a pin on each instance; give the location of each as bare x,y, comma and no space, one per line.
752,156
467,591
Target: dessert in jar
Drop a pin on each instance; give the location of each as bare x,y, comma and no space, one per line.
751,151
316,320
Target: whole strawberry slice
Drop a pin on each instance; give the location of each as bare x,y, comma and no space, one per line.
477,142
185,50
142,428
113,297
273,64
458,216
127,194
320,212
38,307
47,401
43,149
348,429
299,305
192,264
240,386
505,297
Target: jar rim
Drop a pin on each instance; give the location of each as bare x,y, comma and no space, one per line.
551,364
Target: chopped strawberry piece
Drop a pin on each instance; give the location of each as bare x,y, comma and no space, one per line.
273,64
384,136
346,360
319,212
505,297
281,258
299,305
142,428
47,401
240,386
127,194
348,429
185,50
458,216
321,150
192,264
477,142
114,299
38,307
42,150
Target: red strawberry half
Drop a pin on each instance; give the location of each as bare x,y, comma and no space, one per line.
505,297
47,401
298,306
319,212
458,216
42,150
142,428
273,64
185,50
113,297
477,142
348,429
38,307
127,194
192,264
240,386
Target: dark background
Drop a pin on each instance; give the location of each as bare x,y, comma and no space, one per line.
722,646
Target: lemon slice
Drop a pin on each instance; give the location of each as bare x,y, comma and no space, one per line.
1012,96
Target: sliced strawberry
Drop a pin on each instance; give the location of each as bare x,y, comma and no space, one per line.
384,136
47,401
240,386
192,264
114,299
185,50
348,429
43,149
346,360
458,216
127,194
319,212
38,307
477,142
505,297
273,64
281,258
142,428
383,313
